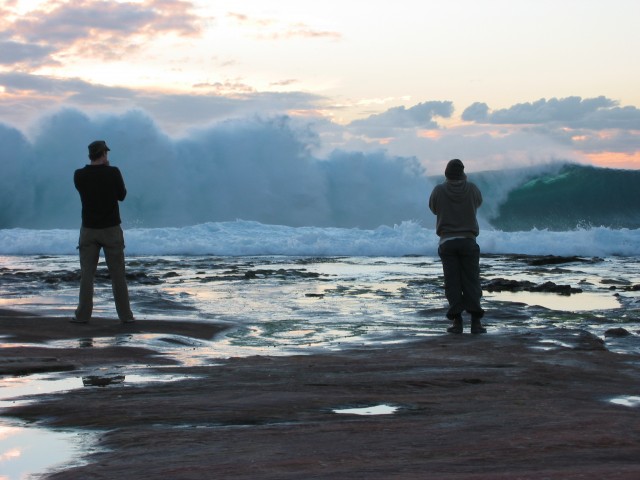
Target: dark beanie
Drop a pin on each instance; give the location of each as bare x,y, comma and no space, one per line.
455,170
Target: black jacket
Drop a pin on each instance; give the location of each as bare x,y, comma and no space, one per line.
101,187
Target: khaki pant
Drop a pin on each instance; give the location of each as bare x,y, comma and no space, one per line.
111,240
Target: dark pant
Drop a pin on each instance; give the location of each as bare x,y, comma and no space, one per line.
111,240
461,267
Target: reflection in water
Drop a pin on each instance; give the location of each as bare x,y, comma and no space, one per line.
102,381
20,390
281,305
373,410
26,451
627,401
579,302
284,305
13,388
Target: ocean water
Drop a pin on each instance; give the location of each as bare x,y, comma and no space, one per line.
278,305
343,277
245,223
241,238
297,304
565,198
558,209
284,288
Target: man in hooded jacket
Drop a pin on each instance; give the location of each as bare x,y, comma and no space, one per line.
455,203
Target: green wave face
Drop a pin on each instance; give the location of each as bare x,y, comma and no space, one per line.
574,197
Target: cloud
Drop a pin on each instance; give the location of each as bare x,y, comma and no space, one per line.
577,129
272,29
587,126
301,30
228,87
246,20
90,28
476,112
480,147
284,83
26,96
12,53
43,85
178,113
602,141
618,117
420,116
572,112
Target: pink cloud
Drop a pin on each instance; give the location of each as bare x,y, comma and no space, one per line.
271,29
100,28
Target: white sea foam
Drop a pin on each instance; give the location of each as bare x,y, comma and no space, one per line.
253,238
254,169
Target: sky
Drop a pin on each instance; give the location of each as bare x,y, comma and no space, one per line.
495,82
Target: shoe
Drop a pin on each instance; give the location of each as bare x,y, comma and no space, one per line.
128,320
75,320
476,326
456,326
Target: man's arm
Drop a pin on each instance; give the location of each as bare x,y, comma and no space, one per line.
478,197
432,202
121,190
76,180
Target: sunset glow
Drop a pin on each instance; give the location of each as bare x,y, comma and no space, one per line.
616,160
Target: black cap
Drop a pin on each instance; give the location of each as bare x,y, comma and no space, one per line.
97,147
455,170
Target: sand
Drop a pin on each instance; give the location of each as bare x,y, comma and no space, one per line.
469,407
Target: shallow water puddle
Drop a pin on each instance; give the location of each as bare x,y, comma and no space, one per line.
577,302
11,389
627,401
373,410
27,451
550,344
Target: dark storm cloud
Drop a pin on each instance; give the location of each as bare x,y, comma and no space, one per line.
572,112
419,116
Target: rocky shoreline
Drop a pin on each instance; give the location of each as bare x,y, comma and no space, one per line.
468,407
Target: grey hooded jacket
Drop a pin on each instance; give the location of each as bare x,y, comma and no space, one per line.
455,203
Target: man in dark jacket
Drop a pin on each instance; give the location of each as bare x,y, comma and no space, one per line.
455,203
101,187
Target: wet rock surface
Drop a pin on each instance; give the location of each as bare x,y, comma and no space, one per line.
617,332
24,350
469,407
508,285
538,260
